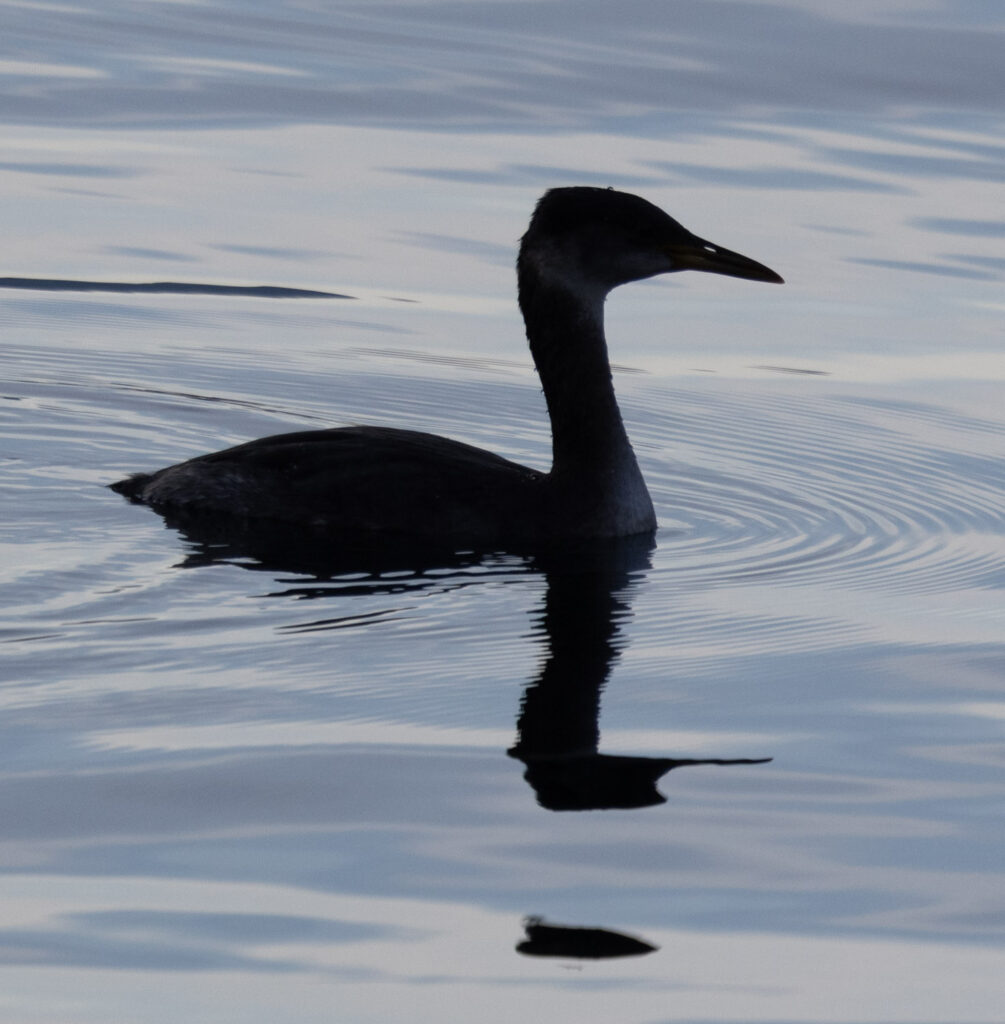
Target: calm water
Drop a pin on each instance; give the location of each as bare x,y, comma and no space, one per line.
238,786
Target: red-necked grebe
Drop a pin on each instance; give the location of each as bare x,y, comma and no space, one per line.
581,243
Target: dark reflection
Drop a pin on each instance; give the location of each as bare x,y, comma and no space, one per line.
580,943
589,591
558,728
264,291
319,557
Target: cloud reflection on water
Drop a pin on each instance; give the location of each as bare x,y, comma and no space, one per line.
489,65
179,792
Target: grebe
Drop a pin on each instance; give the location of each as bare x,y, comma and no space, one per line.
581,243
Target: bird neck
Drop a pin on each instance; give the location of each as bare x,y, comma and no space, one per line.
592,458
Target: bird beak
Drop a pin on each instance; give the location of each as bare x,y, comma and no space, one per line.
697,254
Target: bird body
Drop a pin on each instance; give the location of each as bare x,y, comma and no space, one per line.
581,243
351,478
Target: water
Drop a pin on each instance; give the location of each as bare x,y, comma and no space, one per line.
237,786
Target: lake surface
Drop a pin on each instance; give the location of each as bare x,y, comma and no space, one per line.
240,784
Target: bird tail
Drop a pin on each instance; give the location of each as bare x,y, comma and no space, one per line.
132,486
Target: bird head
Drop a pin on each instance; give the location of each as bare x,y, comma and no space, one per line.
600,238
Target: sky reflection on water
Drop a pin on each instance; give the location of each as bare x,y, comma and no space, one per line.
232,791
489,66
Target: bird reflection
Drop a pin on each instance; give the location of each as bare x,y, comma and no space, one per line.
579,943
313,554
558,727
590,585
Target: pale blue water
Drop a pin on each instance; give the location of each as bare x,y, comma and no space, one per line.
235,790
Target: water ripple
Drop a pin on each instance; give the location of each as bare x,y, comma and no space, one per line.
853,493
789,480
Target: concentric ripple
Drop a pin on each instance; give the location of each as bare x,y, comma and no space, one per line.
792,480
870,494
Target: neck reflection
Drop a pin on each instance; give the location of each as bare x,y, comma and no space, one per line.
558,731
